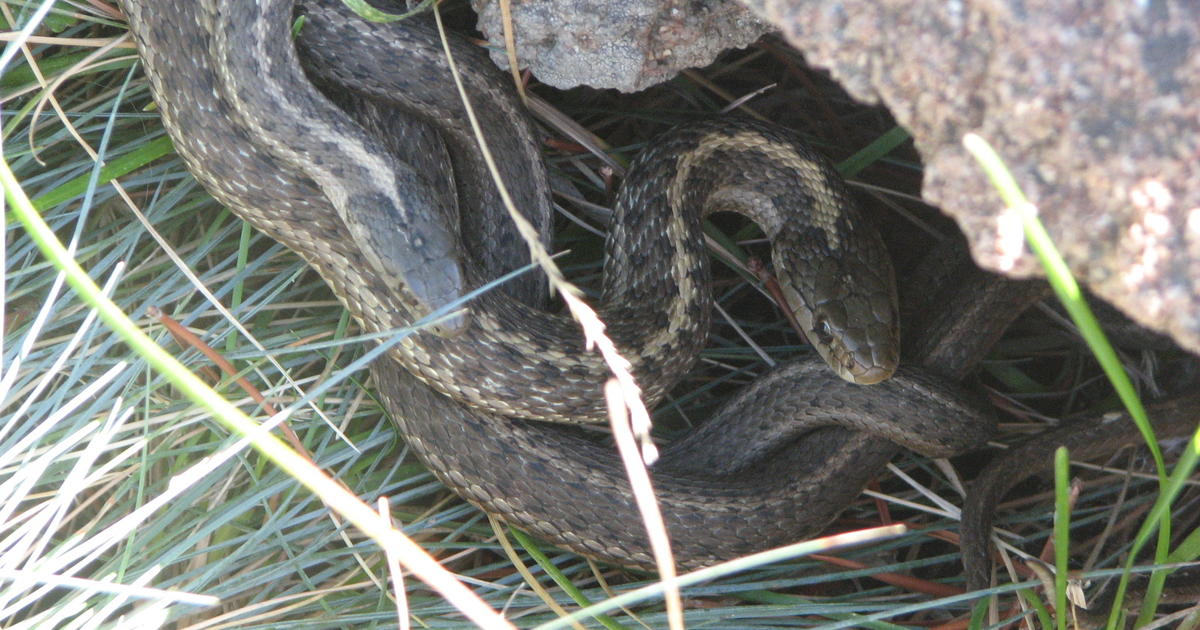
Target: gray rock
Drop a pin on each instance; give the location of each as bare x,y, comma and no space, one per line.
622,44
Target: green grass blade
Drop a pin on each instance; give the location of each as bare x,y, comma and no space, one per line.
1069,293
871,153
122,165
1062,532
535,551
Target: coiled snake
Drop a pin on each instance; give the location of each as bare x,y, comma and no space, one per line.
350,188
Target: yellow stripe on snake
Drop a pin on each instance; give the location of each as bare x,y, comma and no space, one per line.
319,162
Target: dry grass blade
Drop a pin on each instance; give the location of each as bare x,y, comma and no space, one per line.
628,414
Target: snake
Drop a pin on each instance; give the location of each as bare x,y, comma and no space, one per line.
301,138
472,398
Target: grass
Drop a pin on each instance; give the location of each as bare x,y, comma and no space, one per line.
108,473
1069,294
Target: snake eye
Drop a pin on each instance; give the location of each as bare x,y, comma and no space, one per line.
823,331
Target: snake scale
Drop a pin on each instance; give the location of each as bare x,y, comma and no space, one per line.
340,179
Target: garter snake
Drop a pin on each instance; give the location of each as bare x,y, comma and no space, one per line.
348,187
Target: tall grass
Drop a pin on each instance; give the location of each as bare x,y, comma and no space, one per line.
123,504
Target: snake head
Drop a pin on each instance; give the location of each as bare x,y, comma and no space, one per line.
850,317
861,348
413,253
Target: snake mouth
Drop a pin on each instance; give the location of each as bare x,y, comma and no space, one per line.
867,365
872,362
864,356
871,375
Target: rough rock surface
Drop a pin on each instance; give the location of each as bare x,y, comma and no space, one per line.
624,44
1094,104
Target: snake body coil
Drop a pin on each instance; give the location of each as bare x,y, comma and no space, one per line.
349,188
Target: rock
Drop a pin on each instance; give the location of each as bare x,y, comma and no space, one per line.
623,44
